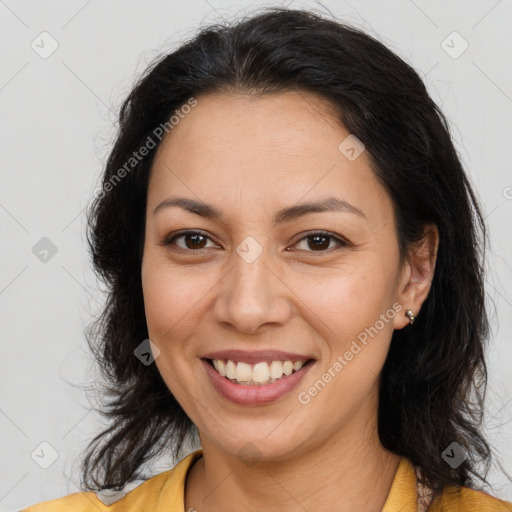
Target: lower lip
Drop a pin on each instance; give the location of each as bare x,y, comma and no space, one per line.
256,394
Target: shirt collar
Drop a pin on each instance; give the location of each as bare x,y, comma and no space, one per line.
403,494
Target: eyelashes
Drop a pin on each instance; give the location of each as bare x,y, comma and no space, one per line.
318,238
169,240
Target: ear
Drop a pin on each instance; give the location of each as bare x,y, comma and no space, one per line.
417,275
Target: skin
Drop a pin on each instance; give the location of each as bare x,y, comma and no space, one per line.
250,157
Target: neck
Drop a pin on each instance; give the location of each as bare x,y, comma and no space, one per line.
349,472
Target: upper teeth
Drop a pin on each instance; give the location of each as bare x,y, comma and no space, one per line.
259,373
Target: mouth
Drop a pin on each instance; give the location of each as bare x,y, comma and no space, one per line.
258,374
257,378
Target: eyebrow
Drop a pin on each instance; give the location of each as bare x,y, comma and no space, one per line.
330,204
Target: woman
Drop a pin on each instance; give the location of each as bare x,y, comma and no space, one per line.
285,217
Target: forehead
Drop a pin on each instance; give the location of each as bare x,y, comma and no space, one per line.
281,146
292,122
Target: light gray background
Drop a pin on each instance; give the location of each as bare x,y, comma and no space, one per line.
56,127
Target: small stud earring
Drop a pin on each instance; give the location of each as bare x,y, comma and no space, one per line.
410,314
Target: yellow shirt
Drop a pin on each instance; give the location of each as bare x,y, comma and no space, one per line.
165,493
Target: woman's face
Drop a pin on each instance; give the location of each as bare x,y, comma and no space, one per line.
256,286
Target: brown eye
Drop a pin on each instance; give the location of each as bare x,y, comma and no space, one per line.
197,241
193,241
320,241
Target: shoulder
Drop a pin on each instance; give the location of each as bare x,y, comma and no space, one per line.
158,493
126,500
465,499
78,502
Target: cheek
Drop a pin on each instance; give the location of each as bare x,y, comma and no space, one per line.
171,297
350,300
354,315
168,305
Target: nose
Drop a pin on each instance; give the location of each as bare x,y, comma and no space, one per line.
252,295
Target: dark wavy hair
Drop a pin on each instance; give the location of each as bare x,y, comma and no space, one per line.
433,383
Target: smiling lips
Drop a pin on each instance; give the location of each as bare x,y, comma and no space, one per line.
260,373
277,375
255,378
